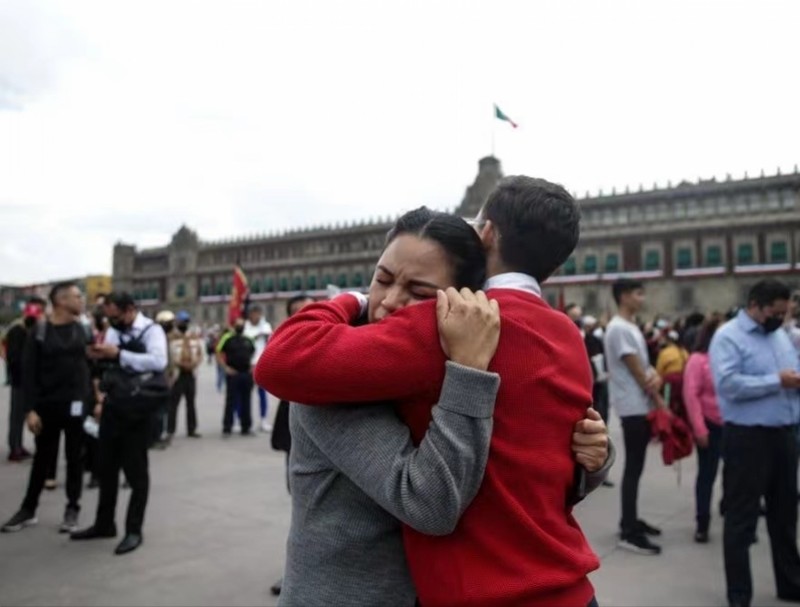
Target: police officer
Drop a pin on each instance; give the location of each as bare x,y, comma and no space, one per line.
135,385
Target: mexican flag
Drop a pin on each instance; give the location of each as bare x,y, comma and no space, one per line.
238,295
498,113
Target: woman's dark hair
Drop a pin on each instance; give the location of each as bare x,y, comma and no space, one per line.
707,331
460,242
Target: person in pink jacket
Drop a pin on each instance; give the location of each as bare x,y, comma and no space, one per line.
705,418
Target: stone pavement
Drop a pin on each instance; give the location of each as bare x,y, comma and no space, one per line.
218,516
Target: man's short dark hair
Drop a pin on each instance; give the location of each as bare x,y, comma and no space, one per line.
59,288
624,285
294,300
766,292
251,309
35,299
122,299
570,306
538,224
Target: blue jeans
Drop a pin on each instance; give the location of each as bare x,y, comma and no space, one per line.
707,466
262,401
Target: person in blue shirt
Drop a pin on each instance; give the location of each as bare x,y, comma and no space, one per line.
757,377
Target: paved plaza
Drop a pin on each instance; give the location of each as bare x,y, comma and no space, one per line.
218,517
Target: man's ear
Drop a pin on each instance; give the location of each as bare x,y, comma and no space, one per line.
488,235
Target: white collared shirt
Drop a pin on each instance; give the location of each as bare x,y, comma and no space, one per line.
155,342
516,281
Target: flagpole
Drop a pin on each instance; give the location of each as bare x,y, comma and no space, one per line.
494,121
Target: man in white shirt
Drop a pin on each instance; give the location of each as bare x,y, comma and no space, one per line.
633,383
134,347
259,331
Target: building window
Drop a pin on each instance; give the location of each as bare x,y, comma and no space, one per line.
284,284
137,295
297,283
652,260
358,279
590,264
256,287
744,254
342,282
180,291
714,256
590,301
778,252
220,288
205,289
612,262
684,258
570,267
686,298
312,283
328,280
269,285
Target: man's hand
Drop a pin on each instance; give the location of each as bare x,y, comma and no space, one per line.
653,383
230,371
98,411
34,423
103,351
702,441
590,441
469,327
790,379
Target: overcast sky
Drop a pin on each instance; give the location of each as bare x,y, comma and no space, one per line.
121,121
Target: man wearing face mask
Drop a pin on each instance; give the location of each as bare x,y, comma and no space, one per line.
235,352
135,354
14,340
757,377
186,354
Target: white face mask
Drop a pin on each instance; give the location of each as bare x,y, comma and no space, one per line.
598,333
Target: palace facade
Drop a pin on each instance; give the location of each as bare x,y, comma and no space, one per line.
697,246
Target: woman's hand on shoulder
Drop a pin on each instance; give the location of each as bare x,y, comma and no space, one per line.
469,326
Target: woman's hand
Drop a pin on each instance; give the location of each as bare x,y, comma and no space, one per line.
469,327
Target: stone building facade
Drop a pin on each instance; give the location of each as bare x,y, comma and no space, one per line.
697,246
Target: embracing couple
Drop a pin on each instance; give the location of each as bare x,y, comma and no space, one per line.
467,501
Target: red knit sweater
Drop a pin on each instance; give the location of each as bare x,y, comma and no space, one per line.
517,543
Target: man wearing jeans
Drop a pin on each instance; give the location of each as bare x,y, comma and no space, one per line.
632,384
757,377
235,352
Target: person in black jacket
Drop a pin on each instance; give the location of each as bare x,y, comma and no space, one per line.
56,389
15,339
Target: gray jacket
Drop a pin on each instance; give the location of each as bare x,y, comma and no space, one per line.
356,476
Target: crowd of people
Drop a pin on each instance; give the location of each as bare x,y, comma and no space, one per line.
451,395
731,379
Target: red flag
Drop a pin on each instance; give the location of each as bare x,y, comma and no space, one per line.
238,295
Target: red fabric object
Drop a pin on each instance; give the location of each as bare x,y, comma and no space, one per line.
238,295
517,543
673,433
33,310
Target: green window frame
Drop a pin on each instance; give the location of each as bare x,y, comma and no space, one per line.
205,289
220,288
612,262
312,283
570,267
714,256
744,254
652,259
778,252
590,264
284,284
342,282
180,290
684,258
297,283
358,279
256,286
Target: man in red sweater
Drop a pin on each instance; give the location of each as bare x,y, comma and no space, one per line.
517,543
